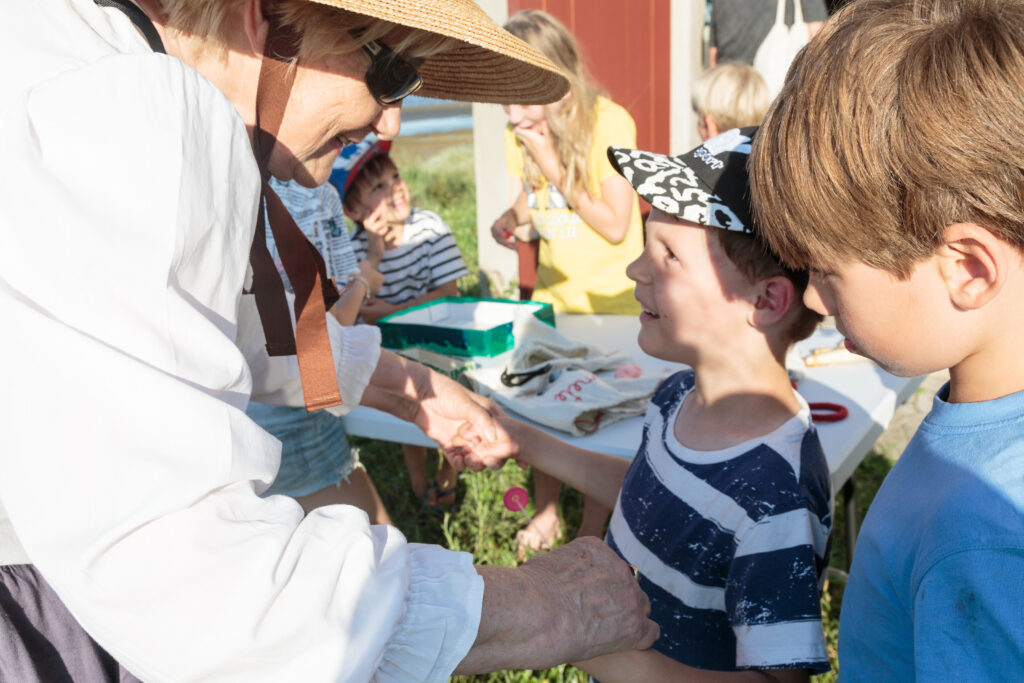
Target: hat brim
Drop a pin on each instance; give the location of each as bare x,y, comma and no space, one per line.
675,186
488,65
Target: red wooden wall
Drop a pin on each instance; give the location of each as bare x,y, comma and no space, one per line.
625,45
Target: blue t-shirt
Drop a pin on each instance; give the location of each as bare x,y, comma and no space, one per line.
732,545
935,587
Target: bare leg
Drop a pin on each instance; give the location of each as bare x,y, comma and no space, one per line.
445,479
595,516
416,463
546,526
434,492
358,490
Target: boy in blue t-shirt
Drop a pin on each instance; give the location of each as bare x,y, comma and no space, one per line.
726,509
892,165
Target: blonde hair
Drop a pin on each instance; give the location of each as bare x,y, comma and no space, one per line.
572,120
733,94
325,30
899,119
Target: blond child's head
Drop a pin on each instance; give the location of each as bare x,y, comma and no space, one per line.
730,95
892,165
705,276
571,119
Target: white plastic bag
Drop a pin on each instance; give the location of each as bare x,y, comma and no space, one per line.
780,46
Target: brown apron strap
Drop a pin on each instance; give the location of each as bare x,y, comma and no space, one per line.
314,291
268,288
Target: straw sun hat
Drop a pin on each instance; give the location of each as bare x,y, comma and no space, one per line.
489,64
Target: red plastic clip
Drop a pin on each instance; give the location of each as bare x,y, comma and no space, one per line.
823,411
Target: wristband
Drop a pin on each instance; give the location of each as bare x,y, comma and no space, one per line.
360,278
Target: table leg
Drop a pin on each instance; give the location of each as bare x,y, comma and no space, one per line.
849,493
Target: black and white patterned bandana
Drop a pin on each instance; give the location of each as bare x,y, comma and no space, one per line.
707,186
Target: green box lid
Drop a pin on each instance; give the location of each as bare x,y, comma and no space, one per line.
460,326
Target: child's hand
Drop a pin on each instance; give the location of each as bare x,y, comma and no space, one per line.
375,309
374,278
479,453
540,144
503,229
375,223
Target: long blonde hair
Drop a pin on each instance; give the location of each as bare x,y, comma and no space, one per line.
571,120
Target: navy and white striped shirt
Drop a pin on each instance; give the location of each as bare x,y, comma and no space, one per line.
732,545
427,258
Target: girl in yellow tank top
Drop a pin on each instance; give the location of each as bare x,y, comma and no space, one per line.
564,191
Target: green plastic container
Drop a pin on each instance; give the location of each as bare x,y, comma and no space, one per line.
460,326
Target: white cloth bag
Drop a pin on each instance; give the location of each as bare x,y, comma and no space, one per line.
565,384
780,46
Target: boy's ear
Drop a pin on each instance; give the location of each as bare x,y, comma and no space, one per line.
711,125
774,299
973,263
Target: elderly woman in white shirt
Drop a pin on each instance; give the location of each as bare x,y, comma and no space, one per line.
128,469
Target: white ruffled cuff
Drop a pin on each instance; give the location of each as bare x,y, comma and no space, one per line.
441,619
356,354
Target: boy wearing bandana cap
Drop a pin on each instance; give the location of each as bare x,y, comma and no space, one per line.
726,510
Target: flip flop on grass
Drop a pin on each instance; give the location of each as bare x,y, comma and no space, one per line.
436,495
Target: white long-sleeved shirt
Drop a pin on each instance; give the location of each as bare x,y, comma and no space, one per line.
128,468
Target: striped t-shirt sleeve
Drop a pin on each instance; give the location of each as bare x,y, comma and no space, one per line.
445,260
427,258
772,593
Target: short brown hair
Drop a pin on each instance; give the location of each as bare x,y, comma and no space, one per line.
370,171
752,258
899,119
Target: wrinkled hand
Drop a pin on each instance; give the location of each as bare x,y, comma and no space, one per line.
445,406
374,278
503,229
606,610
577,602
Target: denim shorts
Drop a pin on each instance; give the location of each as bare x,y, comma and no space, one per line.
314,450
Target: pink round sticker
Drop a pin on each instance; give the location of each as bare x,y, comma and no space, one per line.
516,498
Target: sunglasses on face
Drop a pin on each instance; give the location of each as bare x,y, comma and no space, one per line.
389,78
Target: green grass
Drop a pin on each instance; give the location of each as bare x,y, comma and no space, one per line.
478,523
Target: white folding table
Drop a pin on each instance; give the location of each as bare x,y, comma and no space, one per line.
870,394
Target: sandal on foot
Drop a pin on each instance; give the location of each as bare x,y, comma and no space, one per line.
435,496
